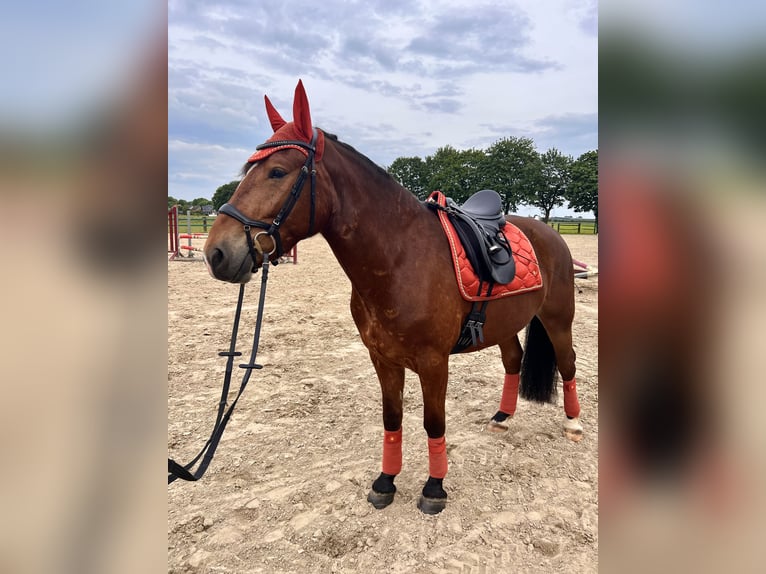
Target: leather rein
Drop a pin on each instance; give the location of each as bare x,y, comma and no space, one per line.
184,472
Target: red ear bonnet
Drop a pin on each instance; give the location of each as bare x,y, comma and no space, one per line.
301,113
299,129
276,120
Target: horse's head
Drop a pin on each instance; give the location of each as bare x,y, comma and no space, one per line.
276,203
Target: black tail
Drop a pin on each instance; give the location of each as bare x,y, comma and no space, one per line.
538,364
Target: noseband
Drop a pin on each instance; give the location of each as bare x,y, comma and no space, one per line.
272,229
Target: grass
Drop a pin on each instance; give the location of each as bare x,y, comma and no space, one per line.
575,227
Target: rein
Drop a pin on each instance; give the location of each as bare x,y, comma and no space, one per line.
183,472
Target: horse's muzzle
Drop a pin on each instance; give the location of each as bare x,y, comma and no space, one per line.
225,264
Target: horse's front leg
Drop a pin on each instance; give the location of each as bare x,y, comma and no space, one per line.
433,381
391,379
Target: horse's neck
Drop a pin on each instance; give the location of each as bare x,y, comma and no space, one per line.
370,226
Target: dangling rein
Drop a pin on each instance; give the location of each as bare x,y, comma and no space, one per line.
184,472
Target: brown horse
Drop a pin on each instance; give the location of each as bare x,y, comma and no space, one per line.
404,299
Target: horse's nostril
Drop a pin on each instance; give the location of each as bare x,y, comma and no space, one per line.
216,260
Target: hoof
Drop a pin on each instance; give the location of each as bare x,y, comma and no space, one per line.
431,505
573,429
495,427
380,499
501,422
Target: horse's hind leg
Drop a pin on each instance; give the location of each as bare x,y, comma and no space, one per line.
559,329
391,379
511,353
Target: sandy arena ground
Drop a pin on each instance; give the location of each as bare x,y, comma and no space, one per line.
287,489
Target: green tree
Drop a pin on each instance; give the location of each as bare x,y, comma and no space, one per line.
555,171
224,193
412,173
583,189
200,201
456,173
171,201
512,169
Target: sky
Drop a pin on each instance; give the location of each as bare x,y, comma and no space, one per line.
392,78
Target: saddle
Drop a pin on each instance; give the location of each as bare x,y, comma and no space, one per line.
479,223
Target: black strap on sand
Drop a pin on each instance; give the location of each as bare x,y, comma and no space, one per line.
184,472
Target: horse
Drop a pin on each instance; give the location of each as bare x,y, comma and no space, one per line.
404,298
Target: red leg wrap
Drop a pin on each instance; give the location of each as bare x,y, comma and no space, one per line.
437,457
571,404
392,452
510,394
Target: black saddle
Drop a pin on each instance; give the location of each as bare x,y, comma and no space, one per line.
478,223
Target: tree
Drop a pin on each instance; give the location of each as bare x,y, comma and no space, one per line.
554,168
412,173
583,189
171,201
224,193
513,170
456,173
200,201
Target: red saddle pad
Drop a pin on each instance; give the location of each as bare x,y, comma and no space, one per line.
528,276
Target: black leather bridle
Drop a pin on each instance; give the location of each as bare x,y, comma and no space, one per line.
272,229
185,472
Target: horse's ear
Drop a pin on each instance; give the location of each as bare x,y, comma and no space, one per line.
301,113
276,120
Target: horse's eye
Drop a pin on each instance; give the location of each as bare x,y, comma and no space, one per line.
277,173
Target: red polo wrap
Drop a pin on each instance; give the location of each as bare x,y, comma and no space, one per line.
392,452
571,404
510,394
437,457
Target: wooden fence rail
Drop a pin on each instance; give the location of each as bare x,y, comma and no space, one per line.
578,227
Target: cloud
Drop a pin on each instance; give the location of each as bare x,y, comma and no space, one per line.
491,38
567,132
588,18
197,169
392,78
570,133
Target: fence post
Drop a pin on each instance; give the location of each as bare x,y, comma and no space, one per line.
188,230
173,247
204,224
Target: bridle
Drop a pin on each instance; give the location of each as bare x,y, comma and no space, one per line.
272,229
185,472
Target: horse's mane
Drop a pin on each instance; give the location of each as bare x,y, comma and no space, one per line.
364,159
374,167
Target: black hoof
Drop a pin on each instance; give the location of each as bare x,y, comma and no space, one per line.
380,499
382,491
431,505
434,498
